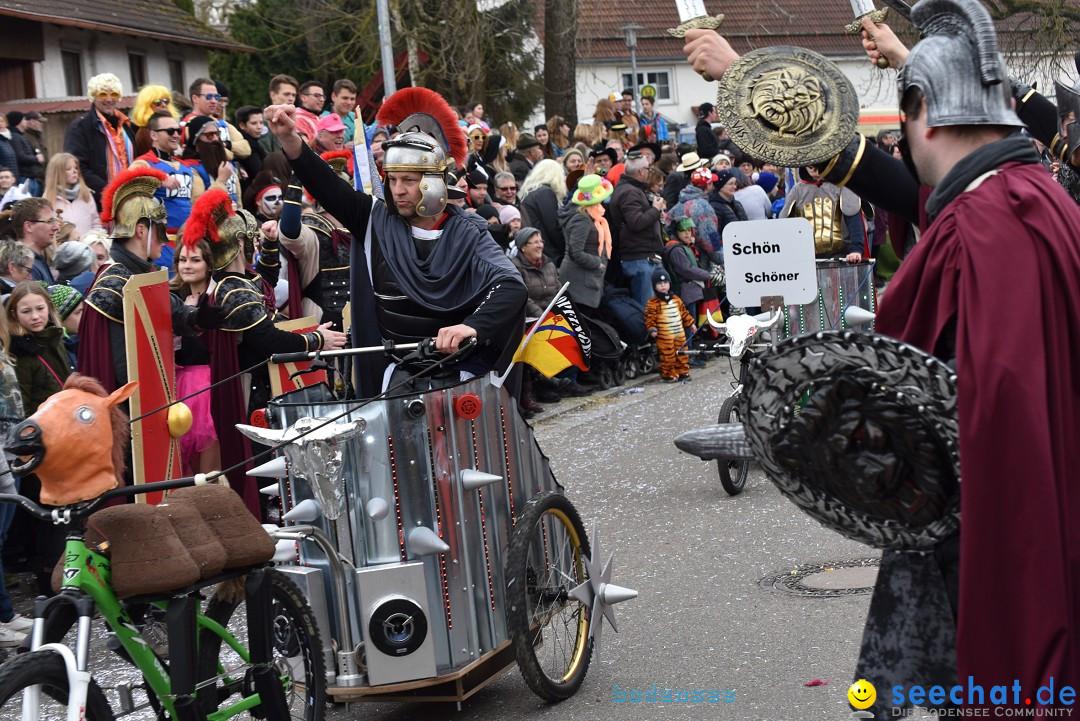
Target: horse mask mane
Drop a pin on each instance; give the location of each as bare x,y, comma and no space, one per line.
85,435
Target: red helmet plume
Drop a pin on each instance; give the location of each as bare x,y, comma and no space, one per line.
119,181
331,155
410,101
207,212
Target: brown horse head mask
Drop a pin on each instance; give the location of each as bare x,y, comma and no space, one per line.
76,442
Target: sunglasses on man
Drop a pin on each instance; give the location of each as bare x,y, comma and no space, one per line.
105,94
211,96
169,131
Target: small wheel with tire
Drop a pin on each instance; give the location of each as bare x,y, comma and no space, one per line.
648,362
47,670
732,473
607,377
549,630
631,364
297,649
618,373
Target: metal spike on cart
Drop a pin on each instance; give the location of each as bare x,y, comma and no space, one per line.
599,594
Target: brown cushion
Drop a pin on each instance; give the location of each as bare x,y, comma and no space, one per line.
144,550
203,545
245,541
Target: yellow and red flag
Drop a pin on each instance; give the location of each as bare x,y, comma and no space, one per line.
556,341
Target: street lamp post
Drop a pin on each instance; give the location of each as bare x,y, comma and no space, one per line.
382,8
630,36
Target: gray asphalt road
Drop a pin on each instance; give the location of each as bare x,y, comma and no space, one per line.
696,557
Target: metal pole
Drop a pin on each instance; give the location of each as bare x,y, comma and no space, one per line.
630,36
389,73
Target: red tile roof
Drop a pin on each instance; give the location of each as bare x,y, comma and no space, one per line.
747,25
50,106
158,19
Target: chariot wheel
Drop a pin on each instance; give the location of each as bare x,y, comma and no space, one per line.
732,473
548,628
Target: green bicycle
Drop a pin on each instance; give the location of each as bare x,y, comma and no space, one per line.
207,673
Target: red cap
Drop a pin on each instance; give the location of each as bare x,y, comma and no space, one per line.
331,123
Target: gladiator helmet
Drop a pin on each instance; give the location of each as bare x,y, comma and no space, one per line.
431,142
129,198
215,218
1068,103
957,66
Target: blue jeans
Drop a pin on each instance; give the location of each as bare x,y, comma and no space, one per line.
639,273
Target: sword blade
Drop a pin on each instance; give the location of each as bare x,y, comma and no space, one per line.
690,9
902,8
862,7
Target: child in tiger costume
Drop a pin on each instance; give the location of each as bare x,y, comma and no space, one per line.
667,318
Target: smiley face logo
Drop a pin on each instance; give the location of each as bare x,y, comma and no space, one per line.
862,694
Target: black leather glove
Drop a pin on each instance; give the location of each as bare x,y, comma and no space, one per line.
206,316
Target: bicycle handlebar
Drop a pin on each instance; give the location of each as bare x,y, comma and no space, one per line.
425,349
62,515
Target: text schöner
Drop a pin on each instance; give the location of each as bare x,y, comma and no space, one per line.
770,277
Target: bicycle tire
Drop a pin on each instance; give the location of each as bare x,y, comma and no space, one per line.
732,473
296,639
548,527
46,669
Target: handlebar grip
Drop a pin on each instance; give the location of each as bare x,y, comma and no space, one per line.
295,357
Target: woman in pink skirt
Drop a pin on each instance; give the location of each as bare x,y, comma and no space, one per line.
199,449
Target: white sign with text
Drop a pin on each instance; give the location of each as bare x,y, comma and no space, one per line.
769,258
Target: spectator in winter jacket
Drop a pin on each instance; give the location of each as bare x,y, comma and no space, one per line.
7,152
103,138
526,155
707,144
722,199
36,226
694,205
31,157
30,164
635,223
687,276
539,273
542,194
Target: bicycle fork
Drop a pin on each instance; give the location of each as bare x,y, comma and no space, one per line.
75,663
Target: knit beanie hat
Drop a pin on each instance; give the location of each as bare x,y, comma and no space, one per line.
72,258
767,180
660,276
508,213
65,298
523,235
721,178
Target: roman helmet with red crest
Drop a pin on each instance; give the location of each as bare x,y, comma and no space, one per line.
215,218
129,198
431,142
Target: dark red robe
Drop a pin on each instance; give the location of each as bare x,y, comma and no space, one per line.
1003,260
